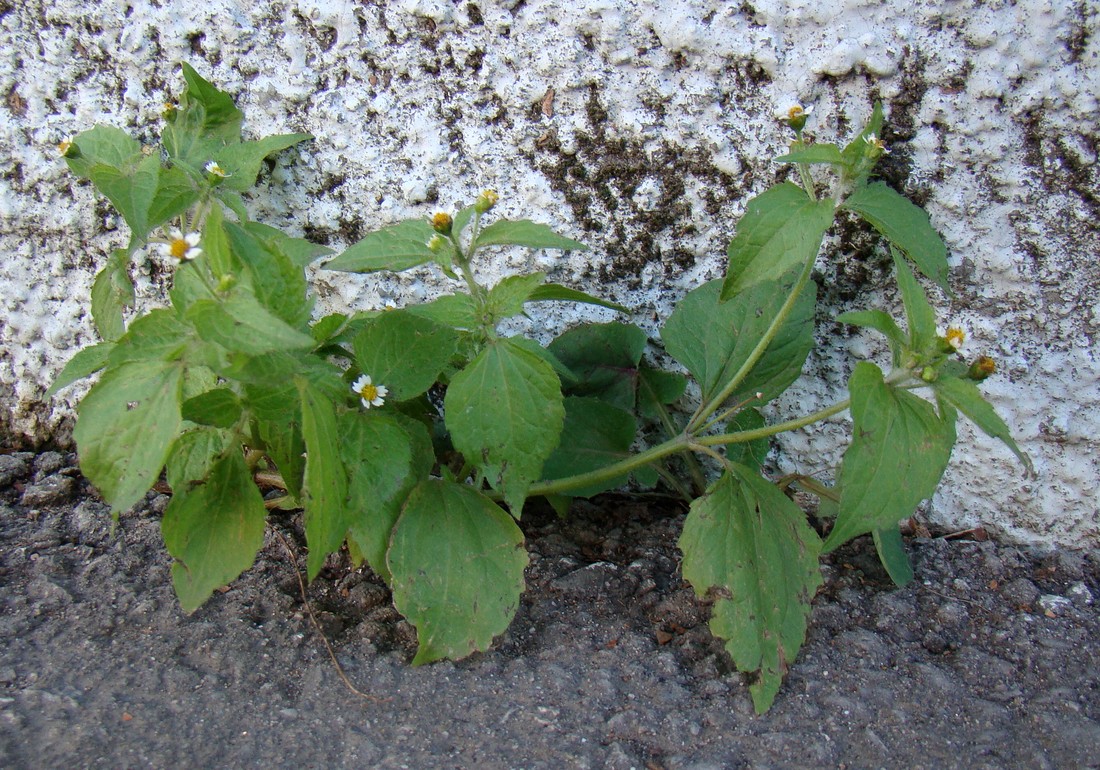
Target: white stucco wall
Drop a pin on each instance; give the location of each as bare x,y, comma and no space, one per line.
659,128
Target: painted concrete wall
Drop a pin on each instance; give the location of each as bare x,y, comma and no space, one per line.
640,128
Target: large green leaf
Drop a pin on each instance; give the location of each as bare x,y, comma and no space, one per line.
782,229
713,339
222,119
918,312
103,146
507,297
965,396
747,546
176,192
555,292
457,562
855,151
900,448
213,530
278,283
194,453
396,248
404,352
325,490
240,323
595,435
505,415
241,161
883,324
112,291
523,232
300,251
455,310
815,153
125,427
383,465
891,552
604,358
905,225
160,334
656,389
131,190
206,121
86,362
218,407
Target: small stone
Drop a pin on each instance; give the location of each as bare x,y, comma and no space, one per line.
13,467
1020,593
1053,605
48,462
1080,595
934,643
52,490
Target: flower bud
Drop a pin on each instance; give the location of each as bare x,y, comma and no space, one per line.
214,173
796,117
875,148
441,223
486,201
982,368
929,374
67,149
437,244
171,109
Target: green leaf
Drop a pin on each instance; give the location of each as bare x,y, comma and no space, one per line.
241,161
880,322
505,415
239,322
86,362
125,427
905,225
383,466
565,374
219,408
900,448
750,453
176,192
213,530
918,312
325,491
300,251
604,358
965,396
713,339
190,283
555,292
523,232
103,146
455,310
854,150
457,562
112,291
276,281
891,552
404,352
749,548
194,453
595,435
395,248
215,245
220,117
234,202
286,447
656,388
782,229
461,219
814,153
131,190
507,297
159,335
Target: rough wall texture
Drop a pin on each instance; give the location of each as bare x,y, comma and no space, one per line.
640,128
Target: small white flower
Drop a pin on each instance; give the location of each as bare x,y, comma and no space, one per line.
180,246
876,143
955,337
214,169
65,145
369,393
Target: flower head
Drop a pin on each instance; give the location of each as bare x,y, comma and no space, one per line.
796,117
66,148
875,146
486,201
180,246
442,223
982,368
171,109
369,393
437,243
953,339
213,169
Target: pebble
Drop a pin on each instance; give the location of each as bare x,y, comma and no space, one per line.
47,463
1079,594
52,490
1054,605
14,467
1020,593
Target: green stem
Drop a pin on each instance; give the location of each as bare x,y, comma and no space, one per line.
706,410
562,486
740,437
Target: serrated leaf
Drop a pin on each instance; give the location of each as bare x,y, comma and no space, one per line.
455,310
747,546
221,118
213,530
505,414
965,396
125,427
131,190
814,153
565,374
404,352
193,454
918,312
891,552
457,562
240,323
85,363
900,448
383,465
157,335
219,408
713,339
394,248
103,145
176,192
325,489
300,251
595,435
524,232
461,219
215,245
749,453
507,297
782,229
555,292
241,161
905,225
278,284
604,358
112,291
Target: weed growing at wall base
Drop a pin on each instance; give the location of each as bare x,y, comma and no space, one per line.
414,436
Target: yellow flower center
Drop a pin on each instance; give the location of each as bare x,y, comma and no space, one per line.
955,337
369,392
796,112
64,147
179,248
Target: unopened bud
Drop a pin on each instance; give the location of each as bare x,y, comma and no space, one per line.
982,368
441,223
928,374
486,201
796,117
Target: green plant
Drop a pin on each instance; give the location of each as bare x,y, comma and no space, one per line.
401,433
